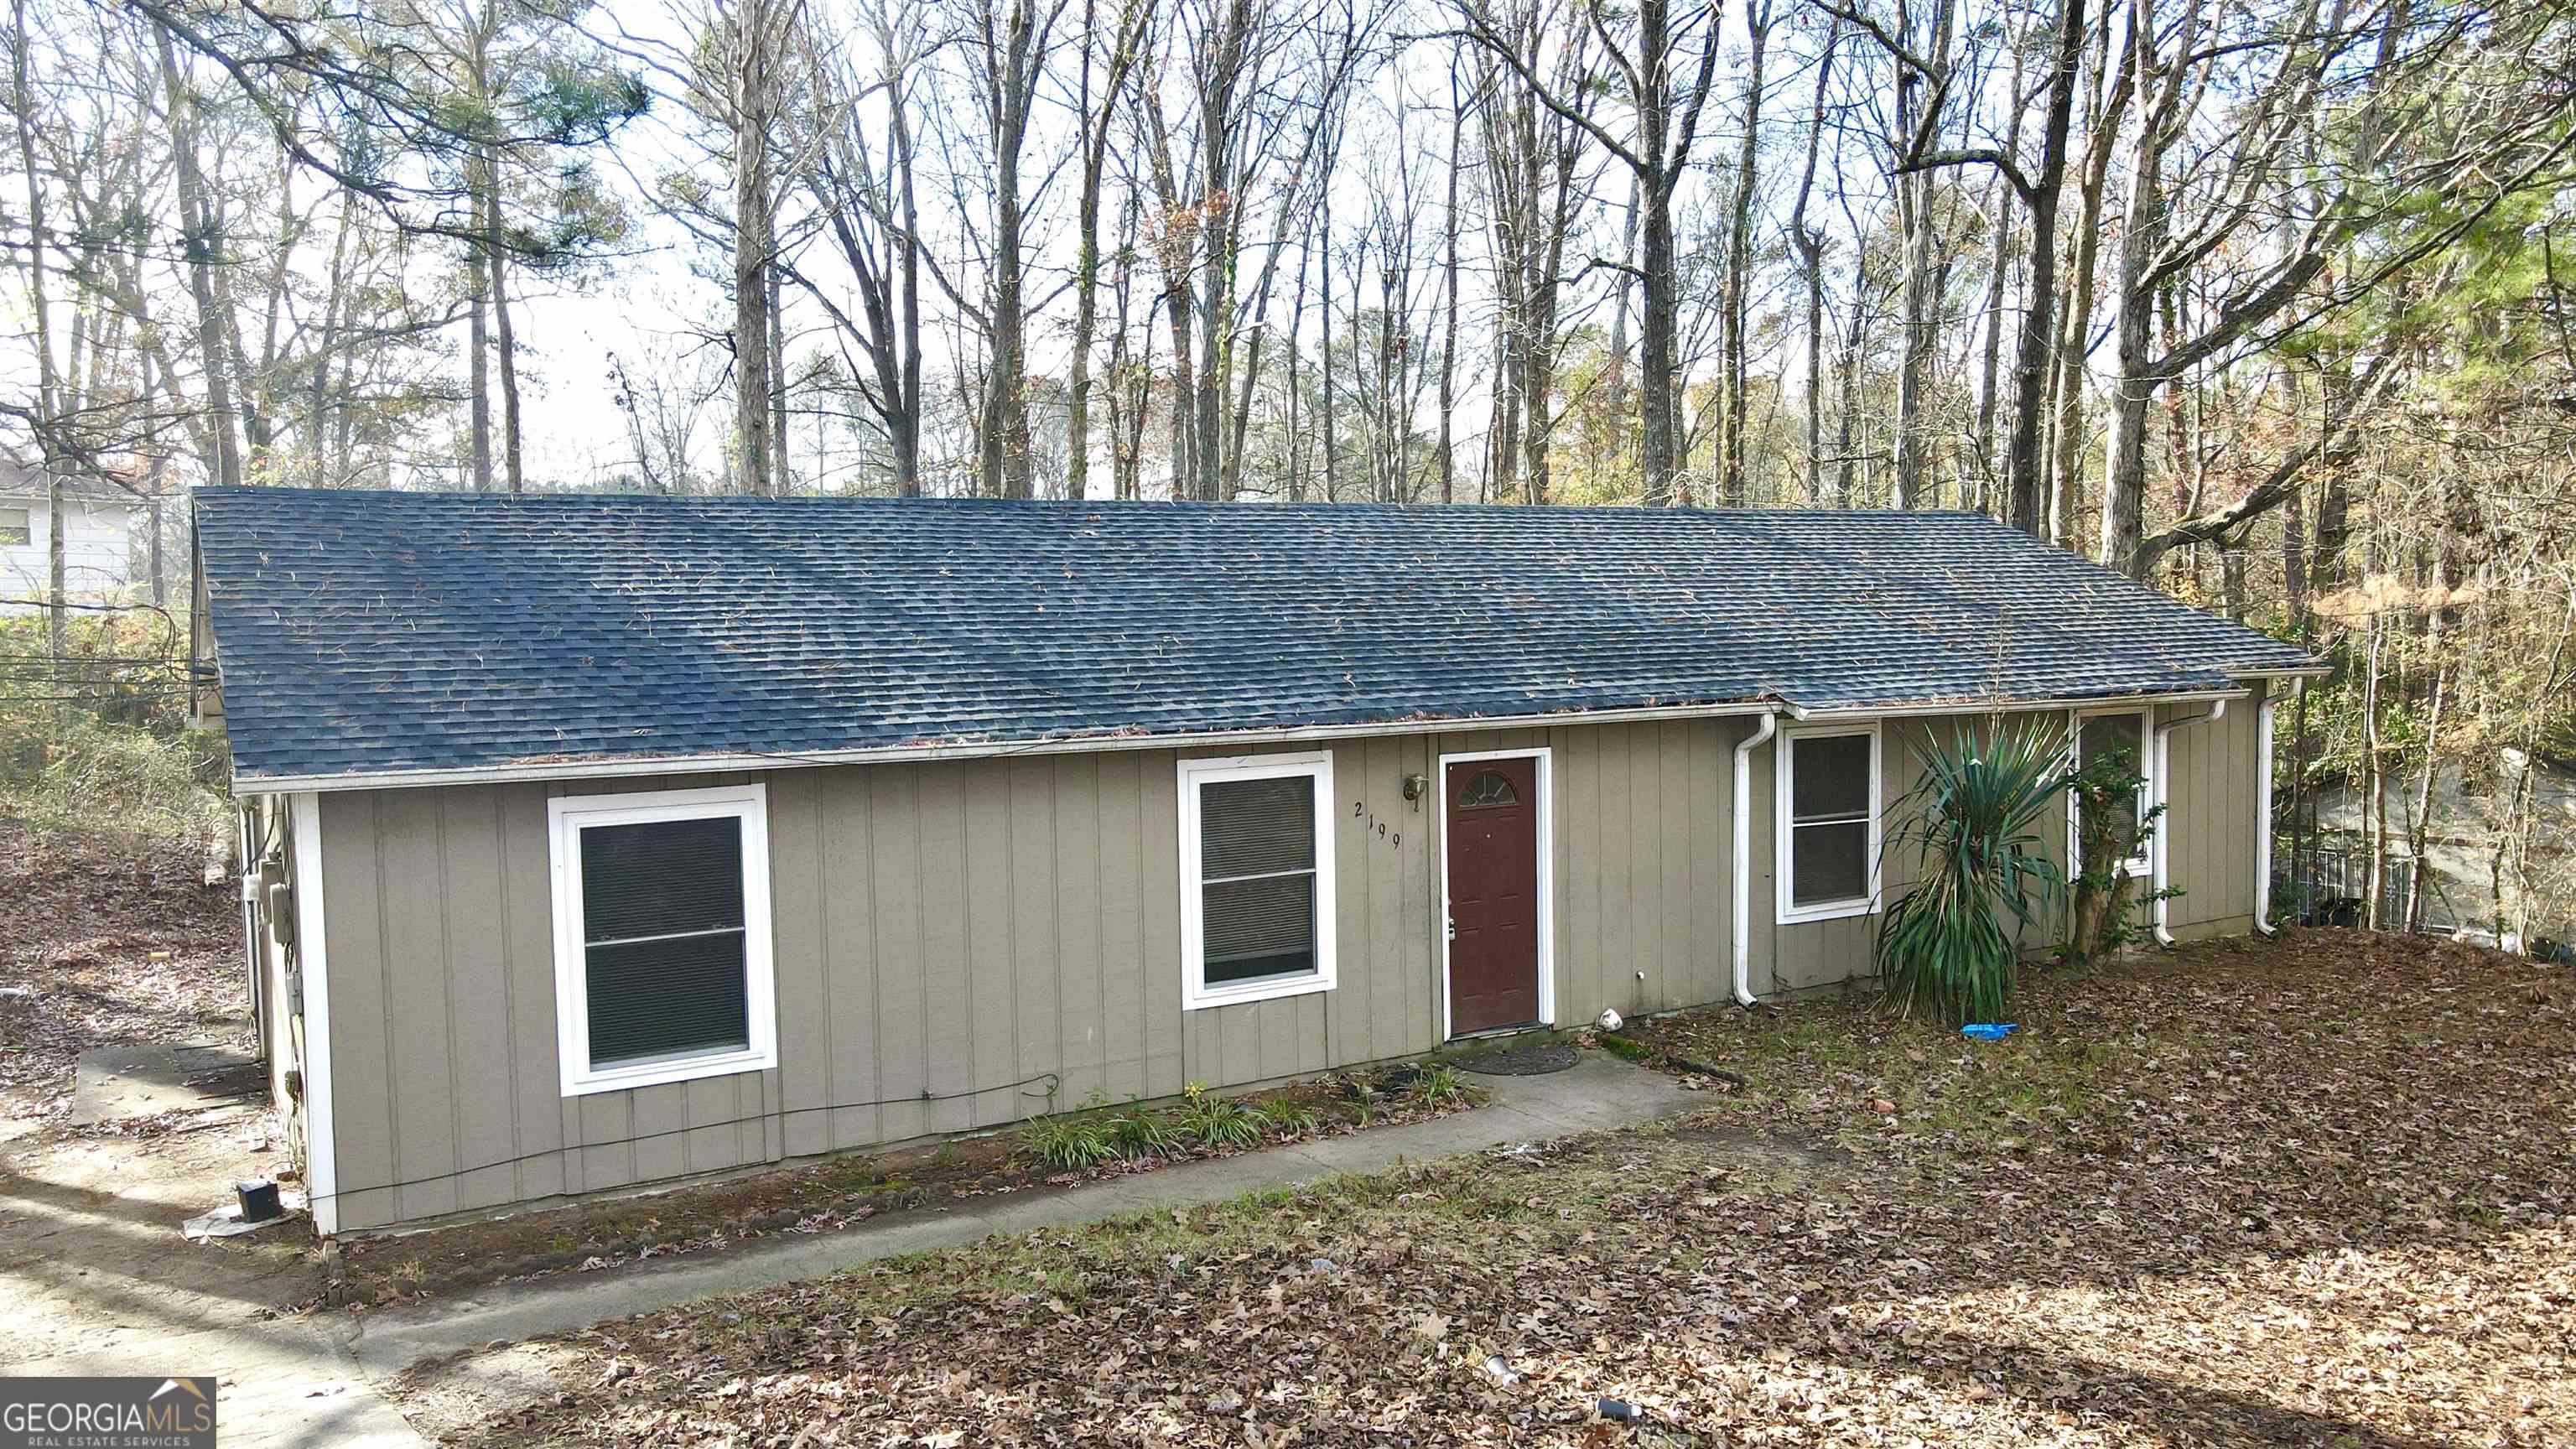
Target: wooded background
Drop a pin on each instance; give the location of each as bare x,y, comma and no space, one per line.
2259,301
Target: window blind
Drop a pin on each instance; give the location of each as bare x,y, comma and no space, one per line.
663,944
1829,819
1257,878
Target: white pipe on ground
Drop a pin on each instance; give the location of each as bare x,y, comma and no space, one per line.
2263,820
1741,915
2163,775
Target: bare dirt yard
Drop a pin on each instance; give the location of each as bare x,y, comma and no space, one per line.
2314,1192
118,941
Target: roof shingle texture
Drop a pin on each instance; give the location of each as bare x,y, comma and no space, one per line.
368,633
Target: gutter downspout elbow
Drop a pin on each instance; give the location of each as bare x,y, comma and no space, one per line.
2263,819
2164,753
1739,915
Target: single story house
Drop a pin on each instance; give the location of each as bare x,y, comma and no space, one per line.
98,539
610,841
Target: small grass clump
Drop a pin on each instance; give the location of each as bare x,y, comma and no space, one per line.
1068,1142
1289,1119
1218,1122
1438,1086
1137,1134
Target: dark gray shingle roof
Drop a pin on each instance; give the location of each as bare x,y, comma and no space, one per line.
365,633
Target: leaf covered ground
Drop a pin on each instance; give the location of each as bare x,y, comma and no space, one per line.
2315,1193
107,939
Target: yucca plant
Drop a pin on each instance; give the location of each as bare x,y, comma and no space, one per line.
1948,945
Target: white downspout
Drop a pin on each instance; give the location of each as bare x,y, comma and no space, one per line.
2164,758
1741,915
2263,819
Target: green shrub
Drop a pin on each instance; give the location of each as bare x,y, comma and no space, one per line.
2112,831
1218,1121
1067,1141
1950,944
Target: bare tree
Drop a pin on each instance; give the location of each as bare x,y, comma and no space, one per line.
1665,64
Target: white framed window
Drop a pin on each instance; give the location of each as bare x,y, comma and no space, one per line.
2129,728
1829,822
17,527
663,969
1256,878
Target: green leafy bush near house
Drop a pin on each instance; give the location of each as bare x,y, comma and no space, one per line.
2110,832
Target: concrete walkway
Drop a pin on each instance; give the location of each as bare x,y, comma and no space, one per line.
315,1382
1600,1092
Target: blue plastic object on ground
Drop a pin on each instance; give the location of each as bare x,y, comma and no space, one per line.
1989,1030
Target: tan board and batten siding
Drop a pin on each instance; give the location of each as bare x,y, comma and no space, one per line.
946,934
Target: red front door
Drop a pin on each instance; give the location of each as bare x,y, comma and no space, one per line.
1493,893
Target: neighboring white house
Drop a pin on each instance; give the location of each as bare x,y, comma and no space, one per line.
98,546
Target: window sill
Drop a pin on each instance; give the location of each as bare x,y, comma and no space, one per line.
1262,991
664,1072
1827,911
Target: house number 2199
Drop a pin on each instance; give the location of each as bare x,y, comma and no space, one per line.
1359,812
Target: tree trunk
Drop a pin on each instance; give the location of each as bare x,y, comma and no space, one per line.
751,245
1730,444
1811,263
2374,812
1449,294
1656,349
1998,274
2124,479
1324,288
1086,274
504,333
1010,63
203,248
2024,474
49,414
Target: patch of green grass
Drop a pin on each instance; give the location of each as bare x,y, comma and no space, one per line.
1626,1048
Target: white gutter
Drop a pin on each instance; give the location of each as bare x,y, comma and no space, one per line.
2263,820
2014,706
1742,911
653,765
904,754
2290,671
2164,775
